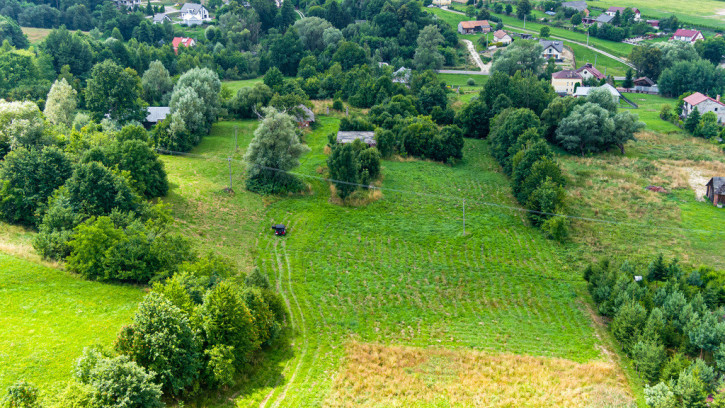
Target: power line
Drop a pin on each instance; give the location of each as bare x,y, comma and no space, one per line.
448,197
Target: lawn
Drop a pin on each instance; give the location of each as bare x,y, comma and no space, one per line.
234,86
398,271
36,35
707,12
49,316
649,111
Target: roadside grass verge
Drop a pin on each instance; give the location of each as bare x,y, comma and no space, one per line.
49,316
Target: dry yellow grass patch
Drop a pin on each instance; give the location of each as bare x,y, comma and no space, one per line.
359,198
392,376
17,241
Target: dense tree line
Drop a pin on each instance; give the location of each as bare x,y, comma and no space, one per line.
668,319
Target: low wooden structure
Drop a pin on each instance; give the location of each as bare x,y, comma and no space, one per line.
716,191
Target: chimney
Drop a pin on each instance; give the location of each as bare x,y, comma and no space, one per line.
718,98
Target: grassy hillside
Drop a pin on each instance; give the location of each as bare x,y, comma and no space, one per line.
707,12
48,316
398,271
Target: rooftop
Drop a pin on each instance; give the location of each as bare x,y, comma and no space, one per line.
681,32
584,90
474,24
367,137
566,74
558,45
578,5
500,34
718,184
697,98
157,113
604,18
191,7
589,67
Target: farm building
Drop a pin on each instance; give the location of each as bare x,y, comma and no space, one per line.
305,116
564,82
156,114
704,104
612,11
472,27
442,2
603,19
687,35
501,36
580,6
185,41
366,137
716,191
552,49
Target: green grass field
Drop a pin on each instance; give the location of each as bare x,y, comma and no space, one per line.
49,316
234,86
649,111
707,12
398,271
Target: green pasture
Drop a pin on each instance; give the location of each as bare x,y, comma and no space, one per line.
706,12
49,316
234,86
649,111
397,271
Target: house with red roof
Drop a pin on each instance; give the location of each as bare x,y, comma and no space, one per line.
703,104
612,11
588,71
687,35
565,82
179,41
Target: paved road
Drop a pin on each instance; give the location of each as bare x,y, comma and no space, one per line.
614,57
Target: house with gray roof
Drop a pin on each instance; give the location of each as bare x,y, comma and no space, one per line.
161,18
552,49
194,14
156,114
603,19
367,137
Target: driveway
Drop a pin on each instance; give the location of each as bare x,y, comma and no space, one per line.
476,57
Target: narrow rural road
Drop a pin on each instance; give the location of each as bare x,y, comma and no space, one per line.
474,55
614,57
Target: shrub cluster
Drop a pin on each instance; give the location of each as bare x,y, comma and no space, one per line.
664,317
352,164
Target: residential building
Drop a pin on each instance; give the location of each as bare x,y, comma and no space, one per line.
367,137
161,18
580,6
645,85
402,76
687,35
552,49
612,11
156,114
704,104
501,36
588,71
654,23
442,2
472,27
179,41
194,14
129,4
565,82
583,91
603,19
716,191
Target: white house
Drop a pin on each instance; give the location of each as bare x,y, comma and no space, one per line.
588,71
194,14
687,35
612,11
552,49
704,104
501,36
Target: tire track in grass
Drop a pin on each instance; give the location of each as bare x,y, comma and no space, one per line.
302,327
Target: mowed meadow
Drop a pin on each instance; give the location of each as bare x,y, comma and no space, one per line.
396,272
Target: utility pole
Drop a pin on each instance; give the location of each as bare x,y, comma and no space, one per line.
464,216
229,159
595,60
524,21
236,145
587,37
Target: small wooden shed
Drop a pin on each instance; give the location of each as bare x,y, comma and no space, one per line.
716,191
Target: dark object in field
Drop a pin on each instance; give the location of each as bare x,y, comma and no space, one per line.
656,189
279,229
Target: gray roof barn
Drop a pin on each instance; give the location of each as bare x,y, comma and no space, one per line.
157,113
716,191
576,5
604,19
718,184
305,114
367,137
